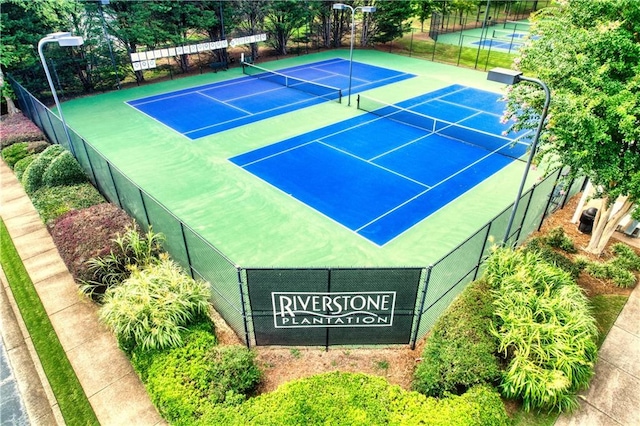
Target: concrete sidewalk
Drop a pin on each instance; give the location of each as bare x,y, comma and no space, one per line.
114,390
613,395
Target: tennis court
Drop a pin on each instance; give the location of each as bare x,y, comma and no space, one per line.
435,147
256,223
204,110
508,37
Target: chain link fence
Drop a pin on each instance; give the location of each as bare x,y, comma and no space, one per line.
321,306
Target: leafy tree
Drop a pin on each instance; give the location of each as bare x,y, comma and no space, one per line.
389,22
20,30
282,18
588,52
322,13
253,13
423,9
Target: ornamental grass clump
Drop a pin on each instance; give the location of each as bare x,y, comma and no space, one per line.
545,331
153,306
130,250
619,269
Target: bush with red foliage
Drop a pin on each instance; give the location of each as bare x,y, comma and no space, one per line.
82,234
18,128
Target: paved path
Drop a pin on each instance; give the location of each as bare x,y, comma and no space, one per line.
106,375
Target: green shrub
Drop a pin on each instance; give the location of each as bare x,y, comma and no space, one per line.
129,250
22,165
53,202
625,258
153,305
184,382
558,239
14,153
618,269
63,170
177,379
461,350
545,330
32,177
359,399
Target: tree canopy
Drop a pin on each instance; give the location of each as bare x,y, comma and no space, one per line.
588,53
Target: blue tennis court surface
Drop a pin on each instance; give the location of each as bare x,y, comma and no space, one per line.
204,110
380,175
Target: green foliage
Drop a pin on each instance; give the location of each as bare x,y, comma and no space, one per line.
541,247
176,379
16,152
618,269
53,202
626,258
12,154
184,382
593,119
558,239
153,306
461,350
611,271
32,177
545,330
359,399
63,170
21,165
130,250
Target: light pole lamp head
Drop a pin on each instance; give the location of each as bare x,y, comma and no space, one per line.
368,9
505,76
339,6
64,39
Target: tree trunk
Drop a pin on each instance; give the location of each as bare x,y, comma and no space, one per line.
605,224
11,106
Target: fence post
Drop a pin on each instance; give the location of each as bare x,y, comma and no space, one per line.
186,250
244,311
422,300
550,196
144,207
93,173
115,186
53,128
526,210
484,246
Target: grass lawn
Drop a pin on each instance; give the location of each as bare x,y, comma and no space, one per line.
71,398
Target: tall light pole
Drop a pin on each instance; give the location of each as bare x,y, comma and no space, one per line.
365,9
64,39
511,77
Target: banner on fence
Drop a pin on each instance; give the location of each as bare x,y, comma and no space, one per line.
332,306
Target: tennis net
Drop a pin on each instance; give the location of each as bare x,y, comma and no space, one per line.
479,138
317,89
